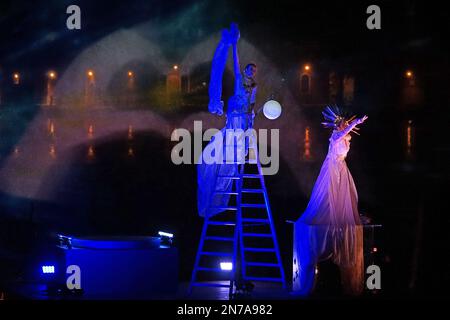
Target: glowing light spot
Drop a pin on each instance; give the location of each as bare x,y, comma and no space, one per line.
409,74
130,73
226,266
374,249
175,67
91,152
130,152
52,74
51,128
52,151
130,132
90,73
91,131
165,234
272,109
48,269
16,78
316,271
307,67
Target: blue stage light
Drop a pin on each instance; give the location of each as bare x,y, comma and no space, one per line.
165,234
226,266
48,269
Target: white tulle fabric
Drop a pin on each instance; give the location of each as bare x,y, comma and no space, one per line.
330,227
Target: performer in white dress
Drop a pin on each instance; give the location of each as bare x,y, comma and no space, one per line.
330,227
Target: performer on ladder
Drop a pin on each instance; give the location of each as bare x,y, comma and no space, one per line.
231,148
240,116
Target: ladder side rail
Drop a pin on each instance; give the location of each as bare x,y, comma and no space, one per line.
197,258
272,226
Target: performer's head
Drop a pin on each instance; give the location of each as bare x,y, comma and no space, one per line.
335,118
341,124
250,70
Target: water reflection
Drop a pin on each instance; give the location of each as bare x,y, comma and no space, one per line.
306,152
51,128
130,132
409,139
90,131
91,152
307,145
52,151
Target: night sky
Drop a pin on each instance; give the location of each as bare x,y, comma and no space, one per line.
34,32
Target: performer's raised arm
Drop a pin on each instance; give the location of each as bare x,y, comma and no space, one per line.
234,35
348,128
218,67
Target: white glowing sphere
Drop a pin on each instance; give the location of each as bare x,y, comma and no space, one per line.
272,109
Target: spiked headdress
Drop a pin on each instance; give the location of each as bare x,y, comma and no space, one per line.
334,116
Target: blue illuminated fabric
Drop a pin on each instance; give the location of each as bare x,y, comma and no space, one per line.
330,227
209,181
239,117
217,69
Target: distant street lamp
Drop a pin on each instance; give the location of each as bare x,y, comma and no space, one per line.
49,99
16,78
89,91
411,79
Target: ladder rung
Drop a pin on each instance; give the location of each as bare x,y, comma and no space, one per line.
219,238
261,264
255,220
259,249
253,205
204,284
229,177
239,162
224,208
221,223
250,175
253,190
220,254
260,235
226,192
211,269
263,279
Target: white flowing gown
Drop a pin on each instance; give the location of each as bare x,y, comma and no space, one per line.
330,227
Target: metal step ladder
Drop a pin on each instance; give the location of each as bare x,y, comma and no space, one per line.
243,234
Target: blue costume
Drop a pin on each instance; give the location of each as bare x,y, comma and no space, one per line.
239,116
